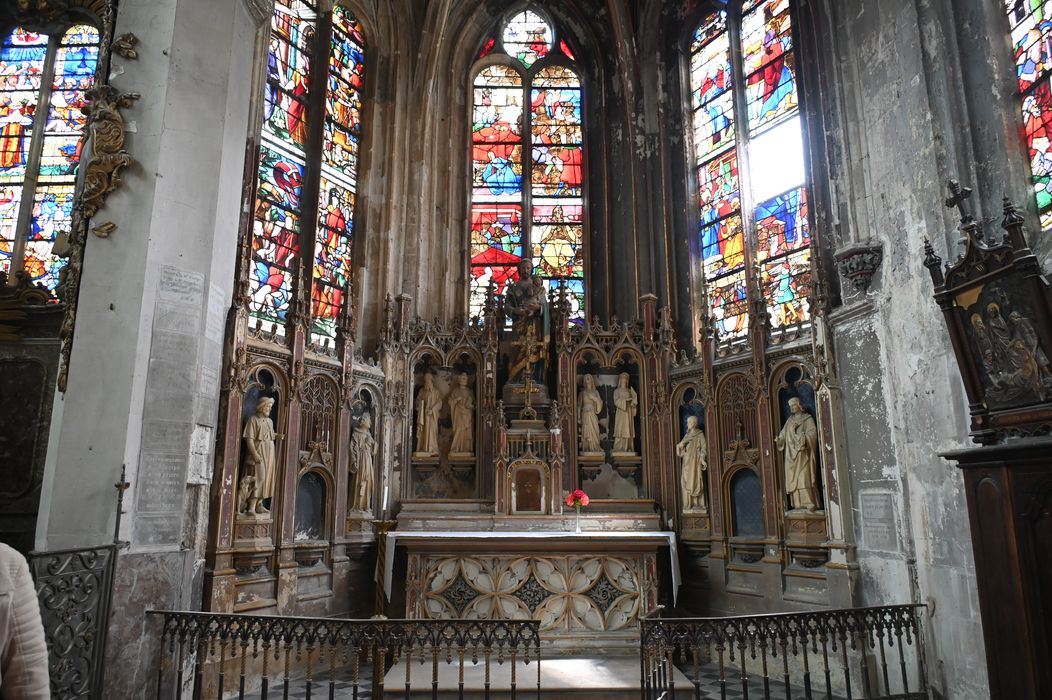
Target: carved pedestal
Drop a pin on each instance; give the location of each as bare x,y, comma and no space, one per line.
1009,490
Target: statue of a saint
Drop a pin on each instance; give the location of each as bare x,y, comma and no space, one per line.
526,304
694,452
626,405
589,406
798,442
462,412
260,457
363,447
428,405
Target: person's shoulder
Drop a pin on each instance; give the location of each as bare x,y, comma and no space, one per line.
12,564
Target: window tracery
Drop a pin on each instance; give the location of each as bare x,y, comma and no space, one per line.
748,154
308,164
42,94
527,120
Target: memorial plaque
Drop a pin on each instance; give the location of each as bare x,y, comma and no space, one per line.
157,530
162,483
165,436
878,521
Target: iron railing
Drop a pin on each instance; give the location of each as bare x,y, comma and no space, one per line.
855,653
226,656
74,587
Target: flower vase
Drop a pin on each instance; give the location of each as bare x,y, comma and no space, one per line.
578,529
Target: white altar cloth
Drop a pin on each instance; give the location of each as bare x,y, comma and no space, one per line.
395,535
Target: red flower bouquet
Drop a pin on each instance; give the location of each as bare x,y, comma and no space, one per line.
577,499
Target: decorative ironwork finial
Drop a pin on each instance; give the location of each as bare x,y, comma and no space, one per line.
933,262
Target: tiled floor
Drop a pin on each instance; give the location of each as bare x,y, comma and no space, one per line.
709,687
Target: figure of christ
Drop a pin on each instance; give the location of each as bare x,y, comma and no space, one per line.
526,303
462,412
798,442
626,403
260,456
363,447
428,405
589,406
693,450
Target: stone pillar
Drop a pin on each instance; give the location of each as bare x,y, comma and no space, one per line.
144,371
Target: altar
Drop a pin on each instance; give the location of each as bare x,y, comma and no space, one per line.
587,589
503,420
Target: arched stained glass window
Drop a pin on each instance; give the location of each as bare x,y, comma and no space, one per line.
43,81
1031,23
305,195
527,121
748,149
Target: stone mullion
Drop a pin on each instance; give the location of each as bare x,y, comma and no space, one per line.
303,281
36,148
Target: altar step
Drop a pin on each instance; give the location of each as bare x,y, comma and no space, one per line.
583,678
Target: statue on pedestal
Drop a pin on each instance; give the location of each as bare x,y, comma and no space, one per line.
799,442
589,406
626,405
526,304
260,458
428,405
363,447
462,412
693,450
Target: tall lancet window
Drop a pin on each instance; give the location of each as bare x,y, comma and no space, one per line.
527,151
748,148
1031,24
308,164
43,80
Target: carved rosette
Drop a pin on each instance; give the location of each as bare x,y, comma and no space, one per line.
859,263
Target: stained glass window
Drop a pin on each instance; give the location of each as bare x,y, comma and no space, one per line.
755,239
42,93
290,221
527,151
1031,26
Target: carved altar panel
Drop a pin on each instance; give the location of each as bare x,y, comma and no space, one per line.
570,594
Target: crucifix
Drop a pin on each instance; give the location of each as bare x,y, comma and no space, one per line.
958,198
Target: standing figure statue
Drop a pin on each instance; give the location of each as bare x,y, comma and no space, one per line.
462,412
589,406
526,304
694,451
626,401
260,457
798,442
363,447
428,405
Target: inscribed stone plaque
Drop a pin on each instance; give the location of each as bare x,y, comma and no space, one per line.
157,530
165,436
162,483
878,521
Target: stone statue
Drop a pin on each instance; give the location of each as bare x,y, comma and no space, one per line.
260,457
363,447
589,406
693,449
428,405
626,405
462,412
798,442
526,304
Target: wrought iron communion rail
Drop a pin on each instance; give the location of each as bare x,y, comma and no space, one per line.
206,655
856,653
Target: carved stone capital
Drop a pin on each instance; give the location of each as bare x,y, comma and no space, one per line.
859,263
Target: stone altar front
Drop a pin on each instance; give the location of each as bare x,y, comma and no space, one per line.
588,590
